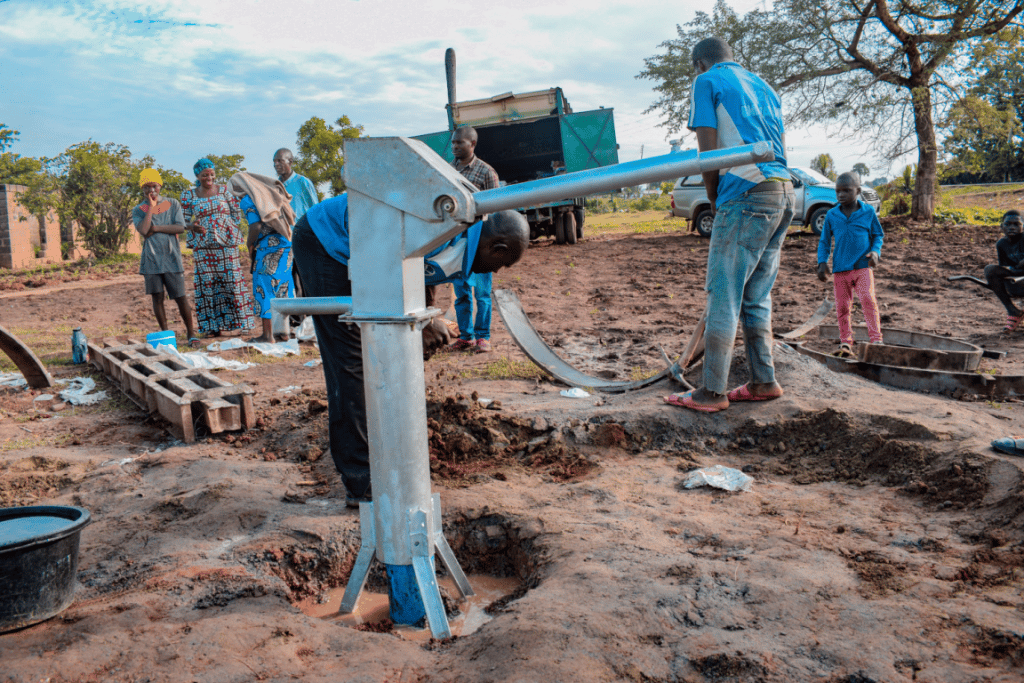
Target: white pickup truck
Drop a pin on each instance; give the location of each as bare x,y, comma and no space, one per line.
815,195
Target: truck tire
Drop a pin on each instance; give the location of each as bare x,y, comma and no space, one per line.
817,221
569,221
559,230
581,213
703,222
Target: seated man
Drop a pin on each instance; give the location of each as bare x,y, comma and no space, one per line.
1001,277
320,243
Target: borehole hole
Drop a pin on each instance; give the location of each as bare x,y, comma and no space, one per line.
496,552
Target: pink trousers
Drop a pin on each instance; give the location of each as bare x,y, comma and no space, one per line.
861,281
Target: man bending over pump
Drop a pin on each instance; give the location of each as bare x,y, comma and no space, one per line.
320,243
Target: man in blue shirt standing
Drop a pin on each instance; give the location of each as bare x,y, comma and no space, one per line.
303,194
729,107
298,186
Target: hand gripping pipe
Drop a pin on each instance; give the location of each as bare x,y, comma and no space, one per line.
403,201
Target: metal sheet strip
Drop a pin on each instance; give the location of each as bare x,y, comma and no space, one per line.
527,338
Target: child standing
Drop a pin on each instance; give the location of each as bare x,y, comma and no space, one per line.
858,247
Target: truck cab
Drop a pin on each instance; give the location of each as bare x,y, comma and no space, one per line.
815,195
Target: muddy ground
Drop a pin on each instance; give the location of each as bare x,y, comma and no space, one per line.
881,539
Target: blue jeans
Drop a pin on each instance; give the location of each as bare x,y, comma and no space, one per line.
479,288
743,262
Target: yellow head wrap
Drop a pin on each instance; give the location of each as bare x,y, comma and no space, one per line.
150,175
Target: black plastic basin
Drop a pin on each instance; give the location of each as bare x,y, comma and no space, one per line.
38,562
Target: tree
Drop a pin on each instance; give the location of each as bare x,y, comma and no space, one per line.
666,187
95,185
984,142
18,170
174,182
824,165
226,165
7,136
864,66
861,169
321,152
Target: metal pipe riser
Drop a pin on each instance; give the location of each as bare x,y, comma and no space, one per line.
396,419
627,174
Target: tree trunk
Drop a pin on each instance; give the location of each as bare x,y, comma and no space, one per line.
923,205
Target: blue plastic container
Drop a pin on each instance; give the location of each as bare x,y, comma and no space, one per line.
165,337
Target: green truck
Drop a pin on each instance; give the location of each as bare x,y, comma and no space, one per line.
529,136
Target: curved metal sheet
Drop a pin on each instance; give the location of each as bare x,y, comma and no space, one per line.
525,335
916,379
35,374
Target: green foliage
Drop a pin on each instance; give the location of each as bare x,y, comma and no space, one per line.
18,170
619,205
824,165
984,141
225,165
174,182
666,187
7,136
95,185
862,170
321,155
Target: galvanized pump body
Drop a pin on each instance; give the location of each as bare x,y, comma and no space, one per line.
404,201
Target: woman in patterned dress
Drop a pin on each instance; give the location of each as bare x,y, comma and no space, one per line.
223,301
271,267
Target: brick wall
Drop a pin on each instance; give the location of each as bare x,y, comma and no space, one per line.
22,234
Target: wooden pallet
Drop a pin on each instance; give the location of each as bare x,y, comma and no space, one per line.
163,384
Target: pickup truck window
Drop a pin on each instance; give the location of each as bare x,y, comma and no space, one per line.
810,177
692,181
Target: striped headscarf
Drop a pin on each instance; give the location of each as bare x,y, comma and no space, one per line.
201,166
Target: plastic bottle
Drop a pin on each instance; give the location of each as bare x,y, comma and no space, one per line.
79,347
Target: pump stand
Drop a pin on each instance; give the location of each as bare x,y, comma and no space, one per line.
422,541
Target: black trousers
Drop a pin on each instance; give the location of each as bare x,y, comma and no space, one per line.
341,351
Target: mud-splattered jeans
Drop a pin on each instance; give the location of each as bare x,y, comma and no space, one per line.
743,261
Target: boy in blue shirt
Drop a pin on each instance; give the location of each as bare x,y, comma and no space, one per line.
858,238
320,243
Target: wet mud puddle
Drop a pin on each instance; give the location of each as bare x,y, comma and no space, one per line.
372,608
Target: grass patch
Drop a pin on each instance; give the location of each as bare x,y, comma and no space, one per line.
505,368
645,222
638,374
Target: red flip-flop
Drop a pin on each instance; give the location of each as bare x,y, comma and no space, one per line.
686,401
742,393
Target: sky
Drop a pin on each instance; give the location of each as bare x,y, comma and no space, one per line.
179,79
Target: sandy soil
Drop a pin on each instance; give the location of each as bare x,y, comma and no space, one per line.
881,540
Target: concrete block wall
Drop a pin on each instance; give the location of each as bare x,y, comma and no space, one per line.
22,234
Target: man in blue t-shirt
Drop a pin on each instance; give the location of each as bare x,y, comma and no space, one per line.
729,107
320,244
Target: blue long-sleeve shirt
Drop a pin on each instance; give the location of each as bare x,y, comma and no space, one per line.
855,236
450,262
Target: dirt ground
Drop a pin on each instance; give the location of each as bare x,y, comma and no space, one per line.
882,539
